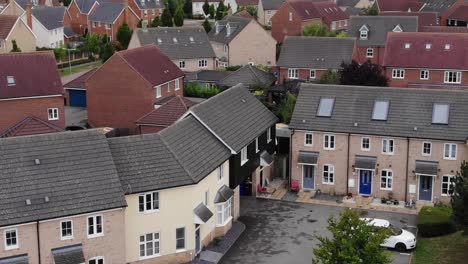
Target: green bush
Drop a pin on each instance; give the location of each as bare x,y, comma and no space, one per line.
233,68
435,221
197,90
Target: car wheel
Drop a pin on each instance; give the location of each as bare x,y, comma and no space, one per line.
400,247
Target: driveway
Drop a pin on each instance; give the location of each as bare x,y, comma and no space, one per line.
279,232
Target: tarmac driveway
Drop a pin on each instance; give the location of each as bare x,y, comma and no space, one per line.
280,232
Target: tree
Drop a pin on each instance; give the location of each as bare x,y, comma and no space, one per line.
287,108
212,11
370,11
207,25
156,22
166,18
206,8
92,43
342,34
330,77
317,30
171,5
15,46
107,51
124,34
353,241
459,199
220,11
367,74
179,17
188,8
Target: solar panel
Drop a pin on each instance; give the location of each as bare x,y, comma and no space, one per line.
325,107
440,113
380,111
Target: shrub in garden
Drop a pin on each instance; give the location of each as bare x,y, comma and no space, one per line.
435,221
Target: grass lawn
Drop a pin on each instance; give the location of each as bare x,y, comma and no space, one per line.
76,69
451,249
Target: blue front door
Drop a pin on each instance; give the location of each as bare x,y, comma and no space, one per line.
425,188
308,176
365,182
77,98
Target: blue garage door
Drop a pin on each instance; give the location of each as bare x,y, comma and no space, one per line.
78,98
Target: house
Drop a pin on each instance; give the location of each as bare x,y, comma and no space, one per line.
345,4
75,90
235,41
47,25
425,19
444,29
187,47
207,78
249,134
427,59
13,28
398,5
63,197
78,12
167,112
456,15
294,15
30,125
438,6
266,9
236,5
147,10
3,4
245,14
197,7
379,141
30,86
250,76
371,34
308,58
140,77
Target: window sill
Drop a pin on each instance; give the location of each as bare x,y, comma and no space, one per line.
327,183
328,149
66,238
150,211
386,189
365,149
12,247
95,236
398,78
150,257
388,154
426,155
53,119
308,145
450,158
180,250
225,222
369,57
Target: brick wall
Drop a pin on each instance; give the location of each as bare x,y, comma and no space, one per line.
412,79
142,129
304,74
360,55
27,241
281,26
77,20
149,14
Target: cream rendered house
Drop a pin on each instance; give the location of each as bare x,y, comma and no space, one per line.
16,29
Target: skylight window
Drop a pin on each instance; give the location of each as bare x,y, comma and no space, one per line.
407,45
325,108
380,110
428,46
447,46
440,113
11,81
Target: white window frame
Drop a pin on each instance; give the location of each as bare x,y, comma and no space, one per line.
10,79
203,63
158,91
423,148
362,144
225,48
424,74
451,146
311,139
313,74
244,155
363,34
153,242
96,259
256,145
62,237
386,146
327,140
223,213
177,84
95,233
108,26
290,16
448,78
182,64
269,135
398,73
54,115
370,53
152,203
293,73
388,179
450,184
5,238
330,171
184,238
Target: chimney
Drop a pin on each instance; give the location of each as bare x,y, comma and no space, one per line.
28,14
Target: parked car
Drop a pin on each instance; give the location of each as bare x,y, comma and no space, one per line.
400,239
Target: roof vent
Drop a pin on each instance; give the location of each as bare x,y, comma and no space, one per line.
46,199
37,162
303,121
415,128
243,101
174,39
191,39
28,202
159,40
355,124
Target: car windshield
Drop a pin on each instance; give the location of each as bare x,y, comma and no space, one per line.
395,230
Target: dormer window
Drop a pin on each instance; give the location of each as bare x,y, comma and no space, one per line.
398,29
428,46
447,46
407,45
11,81
363,34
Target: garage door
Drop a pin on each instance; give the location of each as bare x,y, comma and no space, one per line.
78,98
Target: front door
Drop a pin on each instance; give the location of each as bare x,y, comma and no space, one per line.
197,240
308,176
365,182
425,188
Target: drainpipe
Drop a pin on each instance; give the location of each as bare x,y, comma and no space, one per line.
38,242
290,158
347,165
407,167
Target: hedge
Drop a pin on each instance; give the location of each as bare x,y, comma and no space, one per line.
197,90
435,221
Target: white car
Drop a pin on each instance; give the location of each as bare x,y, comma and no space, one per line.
400,239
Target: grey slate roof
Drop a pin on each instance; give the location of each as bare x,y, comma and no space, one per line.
353,11
315,52
18,259
409,115
249,76
438,6
74,167
51,17
235,116
85,5
426,167
203,212
378,27
192,42
272,4
236,23
107,12
68,255
223,194
365,162
206,76
150,4
350,3
68,32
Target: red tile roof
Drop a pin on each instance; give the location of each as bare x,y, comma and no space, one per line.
399,5
31,125
307,9
331,11
167,113
35,74
417,56
244,14
444,29
152,64
424,18
461,13
247,2
6,25
79,82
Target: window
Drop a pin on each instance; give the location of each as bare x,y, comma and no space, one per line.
424,75
149,245
398,73
370,53
223,212
363,34
426,148
365,143
177,84
452,77
447,46
203,63
447,185
313,74
145,12
387,146
108,26
180,238
158,91
325,107
308,139
269,135
329,142
168,87
380,111
256,145
182,64
148,202
11,81
153,11
450,151
328,174
53,113
407,45
293,73
225,49
290,16
11,239
66,228
440,113
95,24
220,173
244,157
95,226
386,179
96,260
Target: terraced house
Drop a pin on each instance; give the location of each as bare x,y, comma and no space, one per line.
379,142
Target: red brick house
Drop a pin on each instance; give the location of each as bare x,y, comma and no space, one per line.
128,86
77,14
456,15
425,19
432,60
147,10
294,15
30,86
